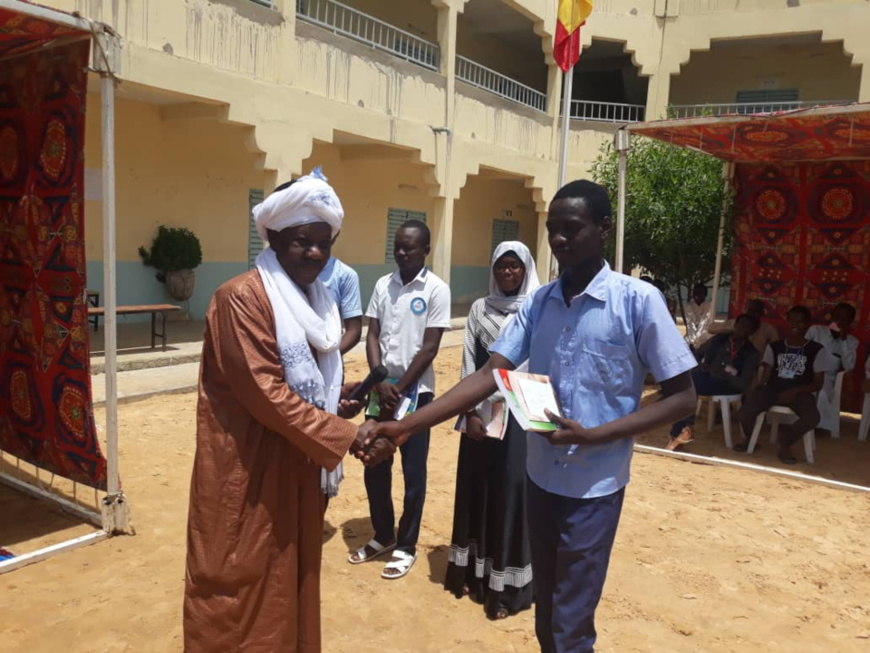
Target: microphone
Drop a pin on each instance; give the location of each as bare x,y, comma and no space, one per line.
375,376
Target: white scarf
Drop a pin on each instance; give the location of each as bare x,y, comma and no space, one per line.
496,298
301,326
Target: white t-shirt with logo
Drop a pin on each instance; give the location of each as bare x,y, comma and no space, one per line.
404,313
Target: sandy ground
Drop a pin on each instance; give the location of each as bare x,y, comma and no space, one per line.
707,558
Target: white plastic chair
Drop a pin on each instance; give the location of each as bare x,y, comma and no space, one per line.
838,393
724,402
776,413
865,418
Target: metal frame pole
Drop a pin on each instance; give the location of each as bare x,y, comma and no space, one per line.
114,508
727,174
623,144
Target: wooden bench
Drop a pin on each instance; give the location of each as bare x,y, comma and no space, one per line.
154,309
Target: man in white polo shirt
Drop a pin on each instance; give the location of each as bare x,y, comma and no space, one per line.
408,312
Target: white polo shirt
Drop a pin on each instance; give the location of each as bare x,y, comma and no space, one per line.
404,313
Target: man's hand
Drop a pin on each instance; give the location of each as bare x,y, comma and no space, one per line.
363,435
474,426
346,408
389,398
569,432
379,451
394,431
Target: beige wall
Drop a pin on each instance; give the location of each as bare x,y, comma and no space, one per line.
497,54
480,202
820,71
419,17
368,188
193,174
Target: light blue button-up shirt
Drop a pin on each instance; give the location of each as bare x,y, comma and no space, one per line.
597,352
343,282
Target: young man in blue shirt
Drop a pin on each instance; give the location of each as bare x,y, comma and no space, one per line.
595,333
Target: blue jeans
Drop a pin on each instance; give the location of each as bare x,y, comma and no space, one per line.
379,487
571,540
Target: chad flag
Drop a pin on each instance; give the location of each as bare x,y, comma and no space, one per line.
572,14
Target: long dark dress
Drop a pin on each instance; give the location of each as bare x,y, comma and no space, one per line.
489,551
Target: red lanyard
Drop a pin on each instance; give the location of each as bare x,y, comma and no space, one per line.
731,346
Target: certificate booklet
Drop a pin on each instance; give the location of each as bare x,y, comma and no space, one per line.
494,415
527,396
408,403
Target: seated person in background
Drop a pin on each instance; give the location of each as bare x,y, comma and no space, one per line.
698,317
794,369
727,367
865,386
843,349
766,333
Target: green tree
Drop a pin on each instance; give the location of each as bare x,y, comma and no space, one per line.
673,204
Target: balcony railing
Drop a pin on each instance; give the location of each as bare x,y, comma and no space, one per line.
745,108
607,111
352,23
489,80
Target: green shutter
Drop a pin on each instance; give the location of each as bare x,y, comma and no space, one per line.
395,219
255,243
503,230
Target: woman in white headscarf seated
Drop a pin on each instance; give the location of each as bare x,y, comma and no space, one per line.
489,558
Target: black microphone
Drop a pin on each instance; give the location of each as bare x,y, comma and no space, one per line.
375,376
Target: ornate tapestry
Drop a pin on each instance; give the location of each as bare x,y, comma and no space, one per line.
46,414
802,237
801,135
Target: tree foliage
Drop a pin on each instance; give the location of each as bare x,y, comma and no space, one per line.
673,205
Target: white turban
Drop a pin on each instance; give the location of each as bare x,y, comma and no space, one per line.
310,199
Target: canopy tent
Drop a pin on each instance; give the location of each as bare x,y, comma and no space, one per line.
801,182
46,410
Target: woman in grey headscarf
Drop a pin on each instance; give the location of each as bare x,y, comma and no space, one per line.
489,557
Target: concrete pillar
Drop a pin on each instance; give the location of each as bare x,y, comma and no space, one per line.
287,61
864,89
441,260
442,254
658,95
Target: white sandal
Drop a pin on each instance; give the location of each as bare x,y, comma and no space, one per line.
402,563
378,548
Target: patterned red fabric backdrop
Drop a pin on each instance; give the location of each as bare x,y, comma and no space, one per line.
802,234
46,414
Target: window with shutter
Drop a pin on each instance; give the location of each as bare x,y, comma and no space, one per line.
503,230
395,219
255,244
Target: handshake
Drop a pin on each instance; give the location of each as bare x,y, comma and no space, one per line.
377,441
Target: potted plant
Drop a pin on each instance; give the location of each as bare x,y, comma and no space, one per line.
175,253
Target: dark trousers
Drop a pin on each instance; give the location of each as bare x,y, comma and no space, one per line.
761,399
379,487
707,386
570,540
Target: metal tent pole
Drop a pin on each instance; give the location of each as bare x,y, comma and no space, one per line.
622,140
727,174
114,505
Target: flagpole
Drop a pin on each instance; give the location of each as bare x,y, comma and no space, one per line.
563,152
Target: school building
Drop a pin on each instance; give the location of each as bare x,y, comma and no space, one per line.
443,110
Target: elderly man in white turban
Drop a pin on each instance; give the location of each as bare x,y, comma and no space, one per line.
269,421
